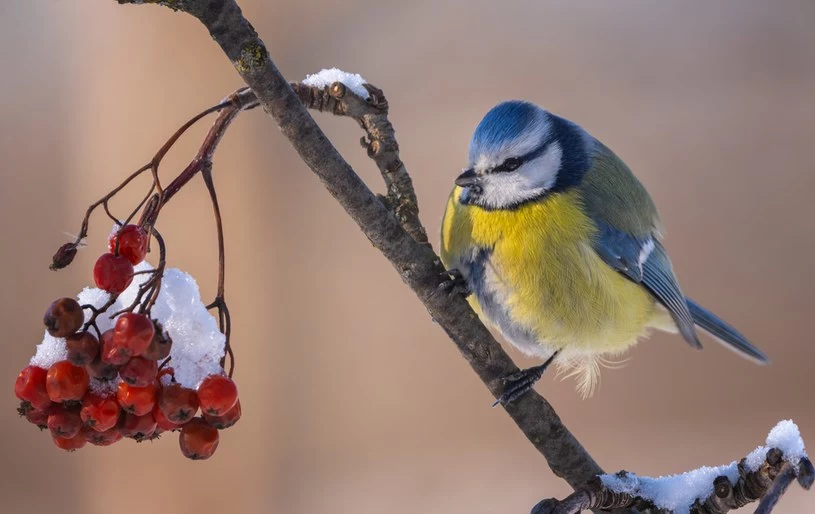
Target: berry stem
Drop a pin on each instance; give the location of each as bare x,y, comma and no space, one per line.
224,320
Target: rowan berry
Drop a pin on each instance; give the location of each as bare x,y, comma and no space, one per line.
179,404
162,422
160,346
226,420
137,427
64,423
198,440
65,382
133,333
132,241
63,317
105,438
30,387
72,444
217,394
139,371
136,400
99,413
82,348
101,370
112,273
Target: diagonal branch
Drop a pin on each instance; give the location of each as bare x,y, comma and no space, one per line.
417,264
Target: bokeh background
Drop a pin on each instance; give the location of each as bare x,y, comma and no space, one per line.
353,400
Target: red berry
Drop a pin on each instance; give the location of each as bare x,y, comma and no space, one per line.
63,317
72,444
34,416
139,371
82,348
105,438
179,404
99,413
101,370
64,423
217,394
162,422
132,243
133,333
160,345
136,400
137,427
112,273
65,382
30,387
198,440
227,420
112,354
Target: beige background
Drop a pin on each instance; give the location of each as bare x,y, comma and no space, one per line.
710,103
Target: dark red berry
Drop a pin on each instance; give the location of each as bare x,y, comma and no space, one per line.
139,371
63,317
110,353
227,420
217,394
137,427
136,400
36,417
133,333
101,370
99,413
82,348
112,273
160,346
30,387
162,422
178,403
198,440
65,382
105,438
132,241
64,423
72,444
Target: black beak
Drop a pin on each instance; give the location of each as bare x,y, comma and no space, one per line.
468,178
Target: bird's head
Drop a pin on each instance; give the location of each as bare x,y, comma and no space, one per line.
519,153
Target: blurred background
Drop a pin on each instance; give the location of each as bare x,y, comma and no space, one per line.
353,400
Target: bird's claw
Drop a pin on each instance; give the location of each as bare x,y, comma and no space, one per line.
519,383
454,283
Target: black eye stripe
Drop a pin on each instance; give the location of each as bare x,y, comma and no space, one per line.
513,163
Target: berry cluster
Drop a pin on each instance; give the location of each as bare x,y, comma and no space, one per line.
117,384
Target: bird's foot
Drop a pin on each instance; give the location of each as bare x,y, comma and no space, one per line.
521,382
454,283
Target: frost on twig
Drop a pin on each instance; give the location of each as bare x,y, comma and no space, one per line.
763,474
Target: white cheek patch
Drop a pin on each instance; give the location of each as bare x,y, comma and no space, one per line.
531,180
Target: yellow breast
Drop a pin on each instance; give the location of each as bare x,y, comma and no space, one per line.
538,263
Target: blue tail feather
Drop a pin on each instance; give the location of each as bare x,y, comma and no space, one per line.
724,333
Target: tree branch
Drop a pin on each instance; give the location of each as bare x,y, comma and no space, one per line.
417,264
765,481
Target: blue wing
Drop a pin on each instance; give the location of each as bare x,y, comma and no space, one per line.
644,260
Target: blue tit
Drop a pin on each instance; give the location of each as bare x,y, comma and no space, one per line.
561,248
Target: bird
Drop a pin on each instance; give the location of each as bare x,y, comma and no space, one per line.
559,247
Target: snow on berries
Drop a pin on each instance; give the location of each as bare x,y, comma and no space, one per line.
109,369
139,354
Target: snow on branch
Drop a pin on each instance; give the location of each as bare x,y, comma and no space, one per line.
763,474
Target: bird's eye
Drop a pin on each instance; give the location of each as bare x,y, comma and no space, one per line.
510,164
